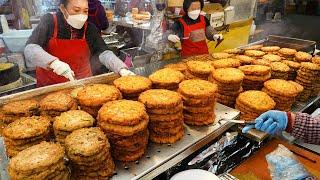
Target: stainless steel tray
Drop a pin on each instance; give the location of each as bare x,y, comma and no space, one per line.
160,157
281,41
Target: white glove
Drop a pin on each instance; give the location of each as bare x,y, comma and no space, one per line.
173,38
62,69
126,72
217,36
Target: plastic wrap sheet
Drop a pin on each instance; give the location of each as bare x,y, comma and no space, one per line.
219,157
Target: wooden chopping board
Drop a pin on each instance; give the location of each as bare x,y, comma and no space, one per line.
256,167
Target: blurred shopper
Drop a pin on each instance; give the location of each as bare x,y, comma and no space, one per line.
97,15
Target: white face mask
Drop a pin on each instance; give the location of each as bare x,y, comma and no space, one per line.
194,14
76,21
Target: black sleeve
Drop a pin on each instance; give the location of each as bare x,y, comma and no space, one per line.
43,32
95,41
207,21
178,29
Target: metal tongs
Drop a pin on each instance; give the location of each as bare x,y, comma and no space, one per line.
238,121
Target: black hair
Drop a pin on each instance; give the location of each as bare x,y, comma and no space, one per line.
187,4
64,2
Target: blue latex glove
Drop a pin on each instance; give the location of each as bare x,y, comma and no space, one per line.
271,122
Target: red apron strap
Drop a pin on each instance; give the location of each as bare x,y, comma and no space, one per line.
185,27
202,19
55,21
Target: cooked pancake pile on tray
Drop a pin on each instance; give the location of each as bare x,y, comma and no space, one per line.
279,70
316,90
132,86
244,60
257,47
165,110
294,67
181,66
221,55
252,104
70,121
254,53
226,63
199,70
17,109
204,57
308,77
255,76
272,58
166,78
88,150
92,97
125,123
287,53
39,162
283,92
198,101
24,133
229,81
56,103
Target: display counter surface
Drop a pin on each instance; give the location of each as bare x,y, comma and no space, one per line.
256,166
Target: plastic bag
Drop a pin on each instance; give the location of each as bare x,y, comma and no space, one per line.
283,165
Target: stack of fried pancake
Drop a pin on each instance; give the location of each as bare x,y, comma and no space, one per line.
252,104
254,47
282,92
261,62
272,58
287,53
279,70
40,162
270,49
125,122
132,86
25,132
56,103
308,77
316,90
69,121
165,112
229,81
254,53
198,70
199,101
92,97
226,63
166,78
88,150
234,51
294,67
15,110
302,57
244,60
203,57
221,55
255,76
181,66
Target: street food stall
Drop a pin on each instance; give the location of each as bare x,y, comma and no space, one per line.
174,115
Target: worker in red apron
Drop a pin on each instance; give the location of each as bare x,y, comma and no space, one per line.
62,44
193,29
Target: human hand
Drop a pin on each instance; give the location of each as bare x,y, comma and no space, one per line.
217,36
173,38
62,69
126,72
271,122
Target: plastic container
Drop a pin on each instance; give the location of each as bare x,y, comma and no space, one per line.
15,40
